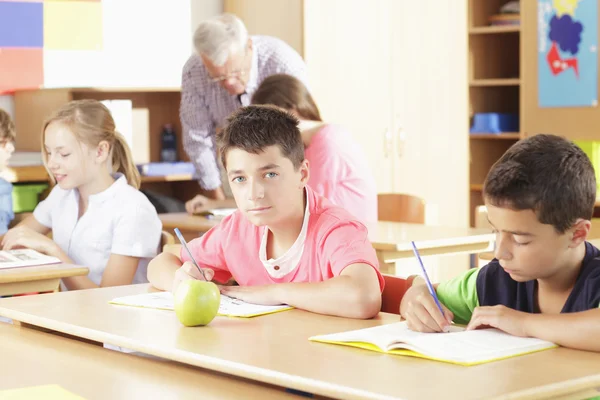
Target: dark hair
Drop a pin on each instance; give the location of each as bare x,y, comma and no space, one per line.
547,174
289,93
255,128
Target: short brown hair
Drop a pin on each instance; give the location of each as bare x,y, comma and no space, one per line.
255,128
289,93
7,127
547,174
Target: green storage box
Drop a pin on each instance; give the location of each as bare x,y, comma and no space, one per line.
592,149
26,197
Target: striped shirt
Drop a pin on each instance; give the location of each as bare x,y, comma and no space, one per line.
205,104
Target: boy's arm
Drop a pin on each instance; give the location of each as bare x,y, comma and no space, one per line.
162,269
583,332
355,293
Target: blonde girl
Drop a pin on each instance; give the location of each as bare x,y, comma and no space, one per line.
98,217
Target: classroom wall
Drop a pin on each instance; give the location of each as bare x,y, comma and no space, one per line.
143,44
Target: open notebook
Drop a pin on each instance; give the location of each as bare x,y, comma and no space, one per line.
229,306
24,258
457,346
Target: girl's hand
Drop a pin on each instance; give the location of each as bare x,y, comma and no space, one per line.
24,237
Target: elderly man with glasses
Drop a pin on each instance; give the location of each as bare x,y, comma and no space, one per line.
227,69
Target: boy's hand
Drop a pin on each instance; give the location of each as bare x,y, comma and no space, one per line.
24,237
422,313
266,294
500,317
189,271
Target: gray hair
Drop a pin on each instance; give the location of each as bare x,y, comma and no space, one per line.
216,37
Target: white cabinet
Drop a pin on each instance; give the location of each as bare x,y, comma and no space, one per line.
394,72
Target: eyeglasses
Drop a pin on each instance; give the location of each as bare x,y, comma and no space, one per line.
237,74
233,75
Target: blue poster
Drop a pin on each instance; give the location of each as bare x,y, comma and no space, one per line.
567,53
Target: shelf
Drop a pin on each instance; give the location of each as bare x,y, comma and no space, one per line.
38,174
486,30
495,82
476,187
494,136
117,89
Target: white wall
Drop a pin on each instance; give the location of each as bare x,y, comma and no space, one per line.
6,104
203,9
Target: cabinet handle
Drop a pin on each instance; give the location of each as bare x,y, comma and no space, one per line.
401,137
387,142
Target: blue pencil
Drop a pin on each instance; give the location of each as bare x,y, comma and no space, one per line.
182,240
429,285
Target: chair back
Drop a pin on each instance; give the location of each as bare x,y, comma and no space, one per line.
393,292
397,207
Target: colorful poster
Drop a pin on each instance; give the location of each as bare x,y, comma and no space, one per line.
31,28
567,53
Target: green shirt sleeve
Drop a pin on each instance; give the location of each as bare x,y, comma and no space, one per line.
460,295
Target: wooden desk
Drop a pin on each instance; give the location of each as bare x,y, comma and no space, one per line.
392,240
42,278
33,358
275,349
195,224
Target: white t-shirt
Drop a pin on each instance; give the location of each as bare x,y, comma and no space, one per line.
119,220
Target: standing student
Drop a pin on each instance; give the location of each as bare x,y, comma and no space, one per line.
7,147
285,244
338,168
98,218
540,197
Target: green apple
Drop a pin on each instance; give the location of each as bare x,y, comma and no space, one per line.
196,302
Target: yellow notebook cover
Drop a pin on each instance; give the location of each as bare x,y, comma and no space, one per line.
457,346
229,306
46,392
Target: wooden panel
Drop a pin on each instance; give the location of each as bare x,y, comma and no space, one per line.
163,108
484,153
494,56
282,19
579,123
503,99
32,107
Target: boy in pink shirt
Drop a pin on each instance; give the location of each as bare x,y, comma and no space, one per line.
285,244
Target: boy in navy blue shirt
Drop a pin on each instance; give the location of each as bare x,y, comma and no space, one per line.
7,147
540,198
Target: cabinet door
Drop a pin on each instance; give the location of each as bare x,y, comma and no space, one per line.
347,50
430,107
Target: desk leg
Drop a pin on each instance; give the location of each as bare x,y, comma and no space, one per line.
43,285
